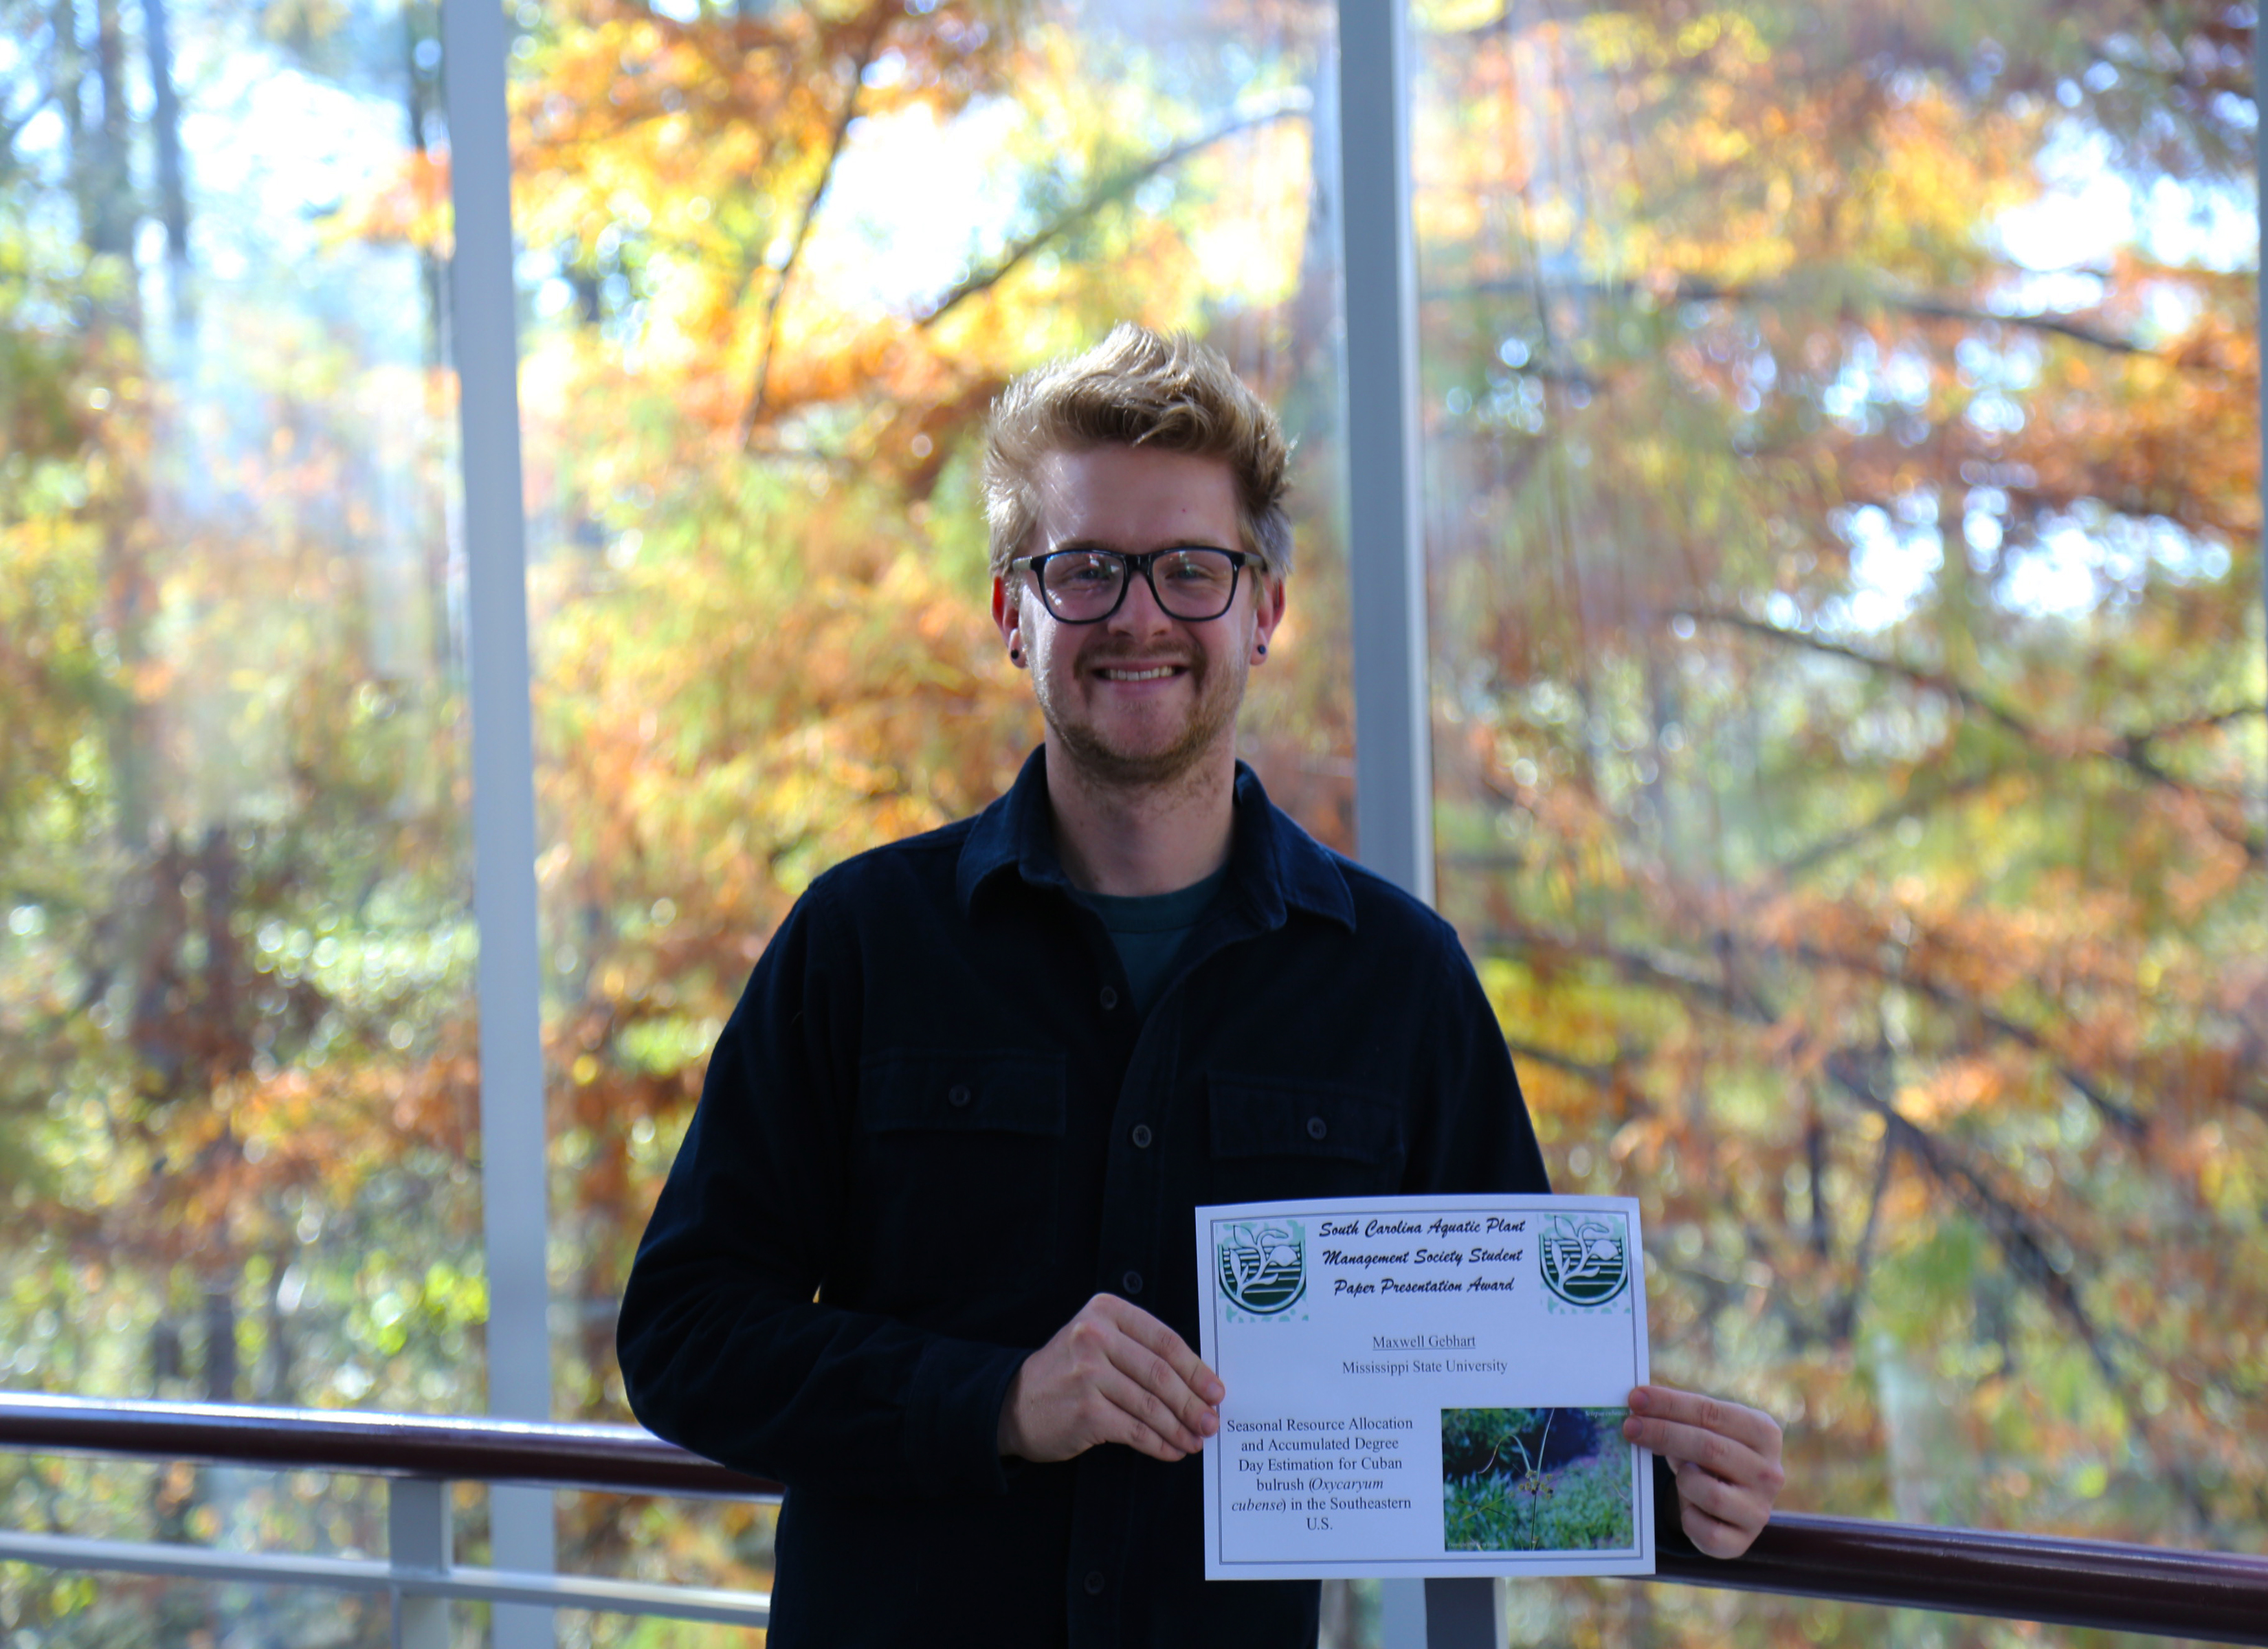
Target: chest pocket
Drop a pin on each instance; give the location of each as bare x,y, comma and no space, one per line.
1274,1137
960,1156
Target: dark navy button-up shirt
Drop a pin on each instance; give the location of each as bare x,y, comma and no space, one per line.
935,1126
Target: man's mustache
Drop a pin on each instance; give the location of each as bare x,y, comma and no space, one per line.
1141,660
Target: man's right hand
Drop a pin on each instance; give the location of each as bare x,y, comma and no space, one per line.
1113,1374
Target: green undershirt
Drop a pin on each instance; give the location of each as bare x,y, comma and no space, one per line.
1148,931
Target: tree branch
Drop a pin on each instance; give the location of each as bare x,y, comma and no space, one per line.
2020,1240
1689,290
1677,973
1845,1322
1936,681
1905,807
2124,749
2127,1121
1686,979
1598,1075
1114,188
1943,309
2189,725
768,337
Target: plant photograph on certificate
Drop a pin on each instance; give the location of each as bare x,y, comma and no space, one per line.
1536,1480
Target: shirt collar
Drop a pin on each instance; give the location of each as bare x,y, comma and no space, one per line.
1273,865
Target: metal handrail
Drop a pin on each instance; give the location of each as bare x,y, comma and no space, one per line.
420,1455
614,1459
2219,1596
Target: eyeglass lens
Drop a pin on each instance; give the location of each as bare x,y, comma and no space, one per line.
1190,583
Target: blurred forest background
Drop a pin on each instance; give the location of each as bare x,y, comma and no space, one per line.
1843,437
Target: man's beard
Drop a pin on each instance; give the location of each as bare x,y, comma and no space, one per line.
1212,715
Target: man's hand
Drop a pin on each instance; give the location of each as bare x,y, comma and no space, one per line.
1727,1458
1113,1374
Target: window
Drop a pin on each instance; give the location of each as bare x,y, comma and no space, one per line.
1842,434
239,1107
777,264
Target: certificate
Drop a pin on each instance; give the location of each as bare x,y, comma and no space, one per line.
1424,1386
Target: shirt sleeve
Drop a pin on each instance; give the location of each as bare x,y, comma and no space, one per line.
726,1345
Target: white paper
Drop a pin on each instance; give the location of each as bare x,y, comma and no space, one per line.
1416,1387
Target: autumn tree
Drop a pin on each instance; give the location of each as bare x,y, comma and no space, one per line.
238,1096
1849,618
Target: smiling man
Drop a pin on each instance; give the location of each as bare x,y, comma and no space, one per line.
926,1254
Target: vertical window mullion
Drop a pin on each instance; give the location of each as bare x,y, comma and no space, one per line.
1385,566
483,344
1393,745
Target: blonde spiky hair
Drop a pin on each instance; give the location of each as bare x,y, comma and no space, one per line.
1137,388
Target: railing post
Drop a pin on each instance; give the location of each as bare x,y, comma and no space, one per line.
1464,1613
1401,1613
1455,1612
418,1544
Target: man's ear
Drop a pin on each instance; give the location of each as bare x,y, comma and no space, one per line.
1008,618
1267,611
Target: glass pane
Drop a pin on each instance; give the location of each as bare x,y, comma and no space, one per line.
236,1081
52,1608
1552,1613
1843,462
779,261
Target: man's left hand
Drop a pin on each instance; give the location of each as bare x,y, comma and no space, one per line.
1727,1458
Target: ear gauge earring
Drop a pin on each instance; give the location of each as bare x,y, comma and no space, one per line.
1263,650
1016,657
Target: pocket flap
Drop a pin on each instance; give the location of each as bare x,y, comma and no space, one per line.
1005,1092
1258,1116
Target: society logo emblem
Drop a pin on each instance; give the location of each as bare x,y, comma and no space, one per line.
1264,1265
1585,1259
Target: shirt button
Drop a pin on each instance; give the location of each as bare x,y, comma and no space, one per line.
1109,998
957,1094
1133,1281
1095,1582
1142,1135
1317,1128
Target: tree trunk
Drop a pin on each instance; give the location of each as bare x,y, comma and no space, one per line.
110,231
418,25
173,182
282,1376
221,1359
69,70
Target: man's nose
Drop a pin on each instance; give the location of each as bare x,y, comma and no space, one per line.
1139,614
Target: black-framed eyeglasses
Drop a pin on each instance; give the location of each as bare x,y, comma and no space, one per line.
1191,582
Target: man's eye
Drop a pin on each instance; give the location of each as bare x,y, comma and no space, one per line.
1194,569
1083,571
